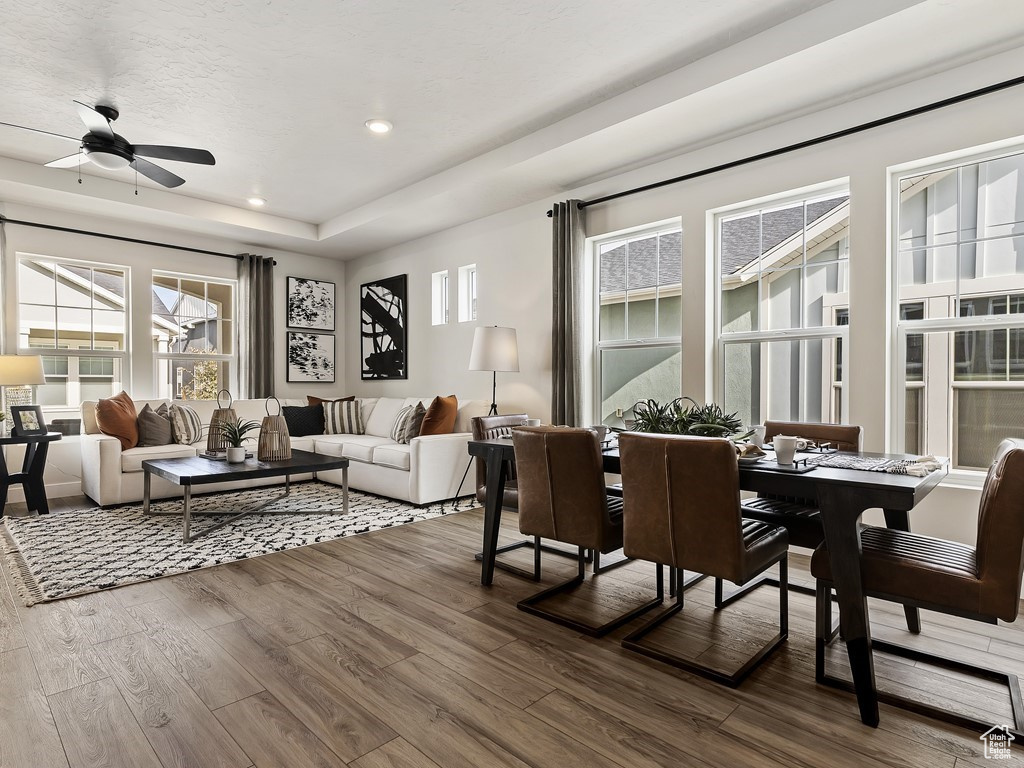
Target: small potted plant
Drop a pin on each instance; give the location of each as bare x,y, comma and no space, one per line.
234,433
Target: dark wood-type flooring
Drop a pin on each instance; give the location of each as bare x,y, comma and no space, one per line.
383,650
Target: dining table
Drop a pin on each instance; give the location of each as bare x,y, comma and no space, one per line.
842,496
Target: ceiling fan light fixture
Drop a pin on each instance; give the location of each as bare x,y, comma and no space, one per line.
379,125
108,160
257,202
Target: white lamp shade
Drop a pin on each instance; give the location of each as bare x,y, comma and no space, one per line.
19,370
494,349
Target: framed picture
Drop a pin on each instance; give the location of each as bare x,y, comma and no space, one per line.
310,304
27,420
383,332
310,357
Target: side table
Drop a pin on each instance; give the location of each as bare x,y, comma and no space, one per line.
31,475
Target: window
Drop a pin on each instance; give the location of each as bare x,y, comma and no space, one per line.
193,336
74,314
467,293
639,320
784,309
960,326
439,298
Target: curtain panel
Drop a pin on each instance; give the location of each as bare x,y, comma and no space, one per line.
568,223
256,325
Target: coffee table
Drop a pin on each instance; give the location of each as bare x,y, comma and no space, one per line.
191,471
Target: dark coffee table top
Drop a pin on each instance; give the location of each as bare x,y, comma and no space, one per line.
197,470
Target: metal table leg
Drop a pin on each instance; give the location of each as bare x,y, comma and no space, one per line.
344,490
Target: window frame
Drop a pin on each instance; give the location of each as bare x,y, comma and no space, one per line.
230,359
834,332
951,324
67,352
593,251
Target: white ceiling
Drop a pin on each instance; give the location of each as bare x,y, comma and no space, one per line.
494,103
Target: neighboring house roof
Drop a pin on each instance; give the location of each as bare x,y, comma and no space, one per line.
740,236
647,267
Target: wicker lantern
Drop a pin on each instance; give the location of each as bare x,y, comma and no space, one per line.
222,414
275,443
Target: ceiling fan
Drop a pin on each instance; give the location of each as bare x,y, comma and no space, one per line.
111,151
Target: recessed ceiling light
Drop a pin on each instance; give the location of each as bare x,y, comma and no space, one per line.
257,201
379,126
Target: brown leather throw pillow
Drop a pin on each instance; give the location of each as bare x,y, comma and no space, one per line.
440,418
115,416
314,400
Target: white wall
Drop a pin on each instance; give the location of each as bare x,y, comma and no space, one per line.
64,465
512,253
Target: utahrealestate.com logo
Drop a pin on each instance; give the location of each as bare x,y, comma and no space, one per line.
997,741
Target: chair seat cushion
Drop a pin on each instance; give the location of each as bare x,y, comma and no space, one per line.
802,521
763,544
901,564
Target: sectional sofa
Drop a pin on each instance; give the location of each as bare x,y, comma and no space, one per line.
426,470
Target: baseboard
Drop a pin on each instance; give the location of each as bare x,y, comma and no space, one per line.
16,495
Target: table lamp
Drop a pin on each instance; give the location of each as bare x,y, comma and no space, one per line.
494,349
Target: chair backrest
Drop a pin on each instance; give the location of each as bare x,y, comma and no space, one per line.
844,437
682,502
1001,532
561,486
489,428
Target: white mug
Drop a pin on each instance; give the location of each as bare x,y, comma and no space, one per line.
757,438
785,448
531,422
601,430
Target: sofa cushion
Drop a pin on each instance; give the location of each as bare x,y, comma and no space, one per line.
355,447
394,455
304,420
116,417
440,416
155,426
382,417
407,423
131,459
303,444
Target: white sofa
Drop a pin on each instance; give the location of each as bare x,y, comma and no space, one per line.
426,470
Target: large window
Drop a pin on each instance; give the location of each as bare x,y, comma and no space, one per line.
193,336
960,342
784,309
639,320
74,314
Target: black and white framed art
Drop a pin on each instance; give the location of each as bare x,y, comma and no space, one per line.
310,304
310,357
383,337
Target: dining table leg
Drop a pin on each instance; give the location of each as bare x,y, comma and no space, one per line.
497,474
899,520
841,510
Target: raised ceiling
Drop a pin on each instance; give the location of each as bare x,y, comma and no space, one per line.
494,103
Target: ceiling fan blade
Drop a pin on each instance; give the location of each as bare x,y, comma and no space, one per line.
36,130
156,173
94,121
181,154
71,161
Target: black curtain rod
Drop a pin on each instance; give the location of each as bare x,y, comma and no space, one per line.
37,225
812,142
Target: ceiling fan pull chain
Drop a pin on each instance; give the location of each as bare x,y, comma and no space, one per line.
136,182
80,152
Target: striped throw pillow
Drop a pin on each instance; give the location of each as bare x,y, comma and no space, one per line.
186,425
343,417
408,422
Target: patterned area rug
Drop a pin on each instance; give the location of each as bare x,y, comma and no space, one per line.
75,552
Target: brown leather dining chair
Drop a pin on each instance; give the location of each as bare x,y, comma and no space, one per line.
981,583
682,509
562,497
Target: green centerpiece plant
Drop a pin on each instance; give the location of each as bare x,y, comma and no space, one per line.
685,416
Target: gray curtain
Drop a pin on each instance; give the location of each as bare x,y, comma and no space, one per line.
256,325
567,321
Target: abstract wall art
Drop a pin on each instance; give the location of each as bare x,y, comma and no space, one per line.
310,304
310,357
383,331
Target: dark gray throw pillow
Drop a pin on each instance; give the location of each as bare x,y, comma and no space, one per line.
155,426
304,420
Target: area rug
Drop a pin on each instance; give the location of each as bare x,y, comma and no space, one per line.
78,551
